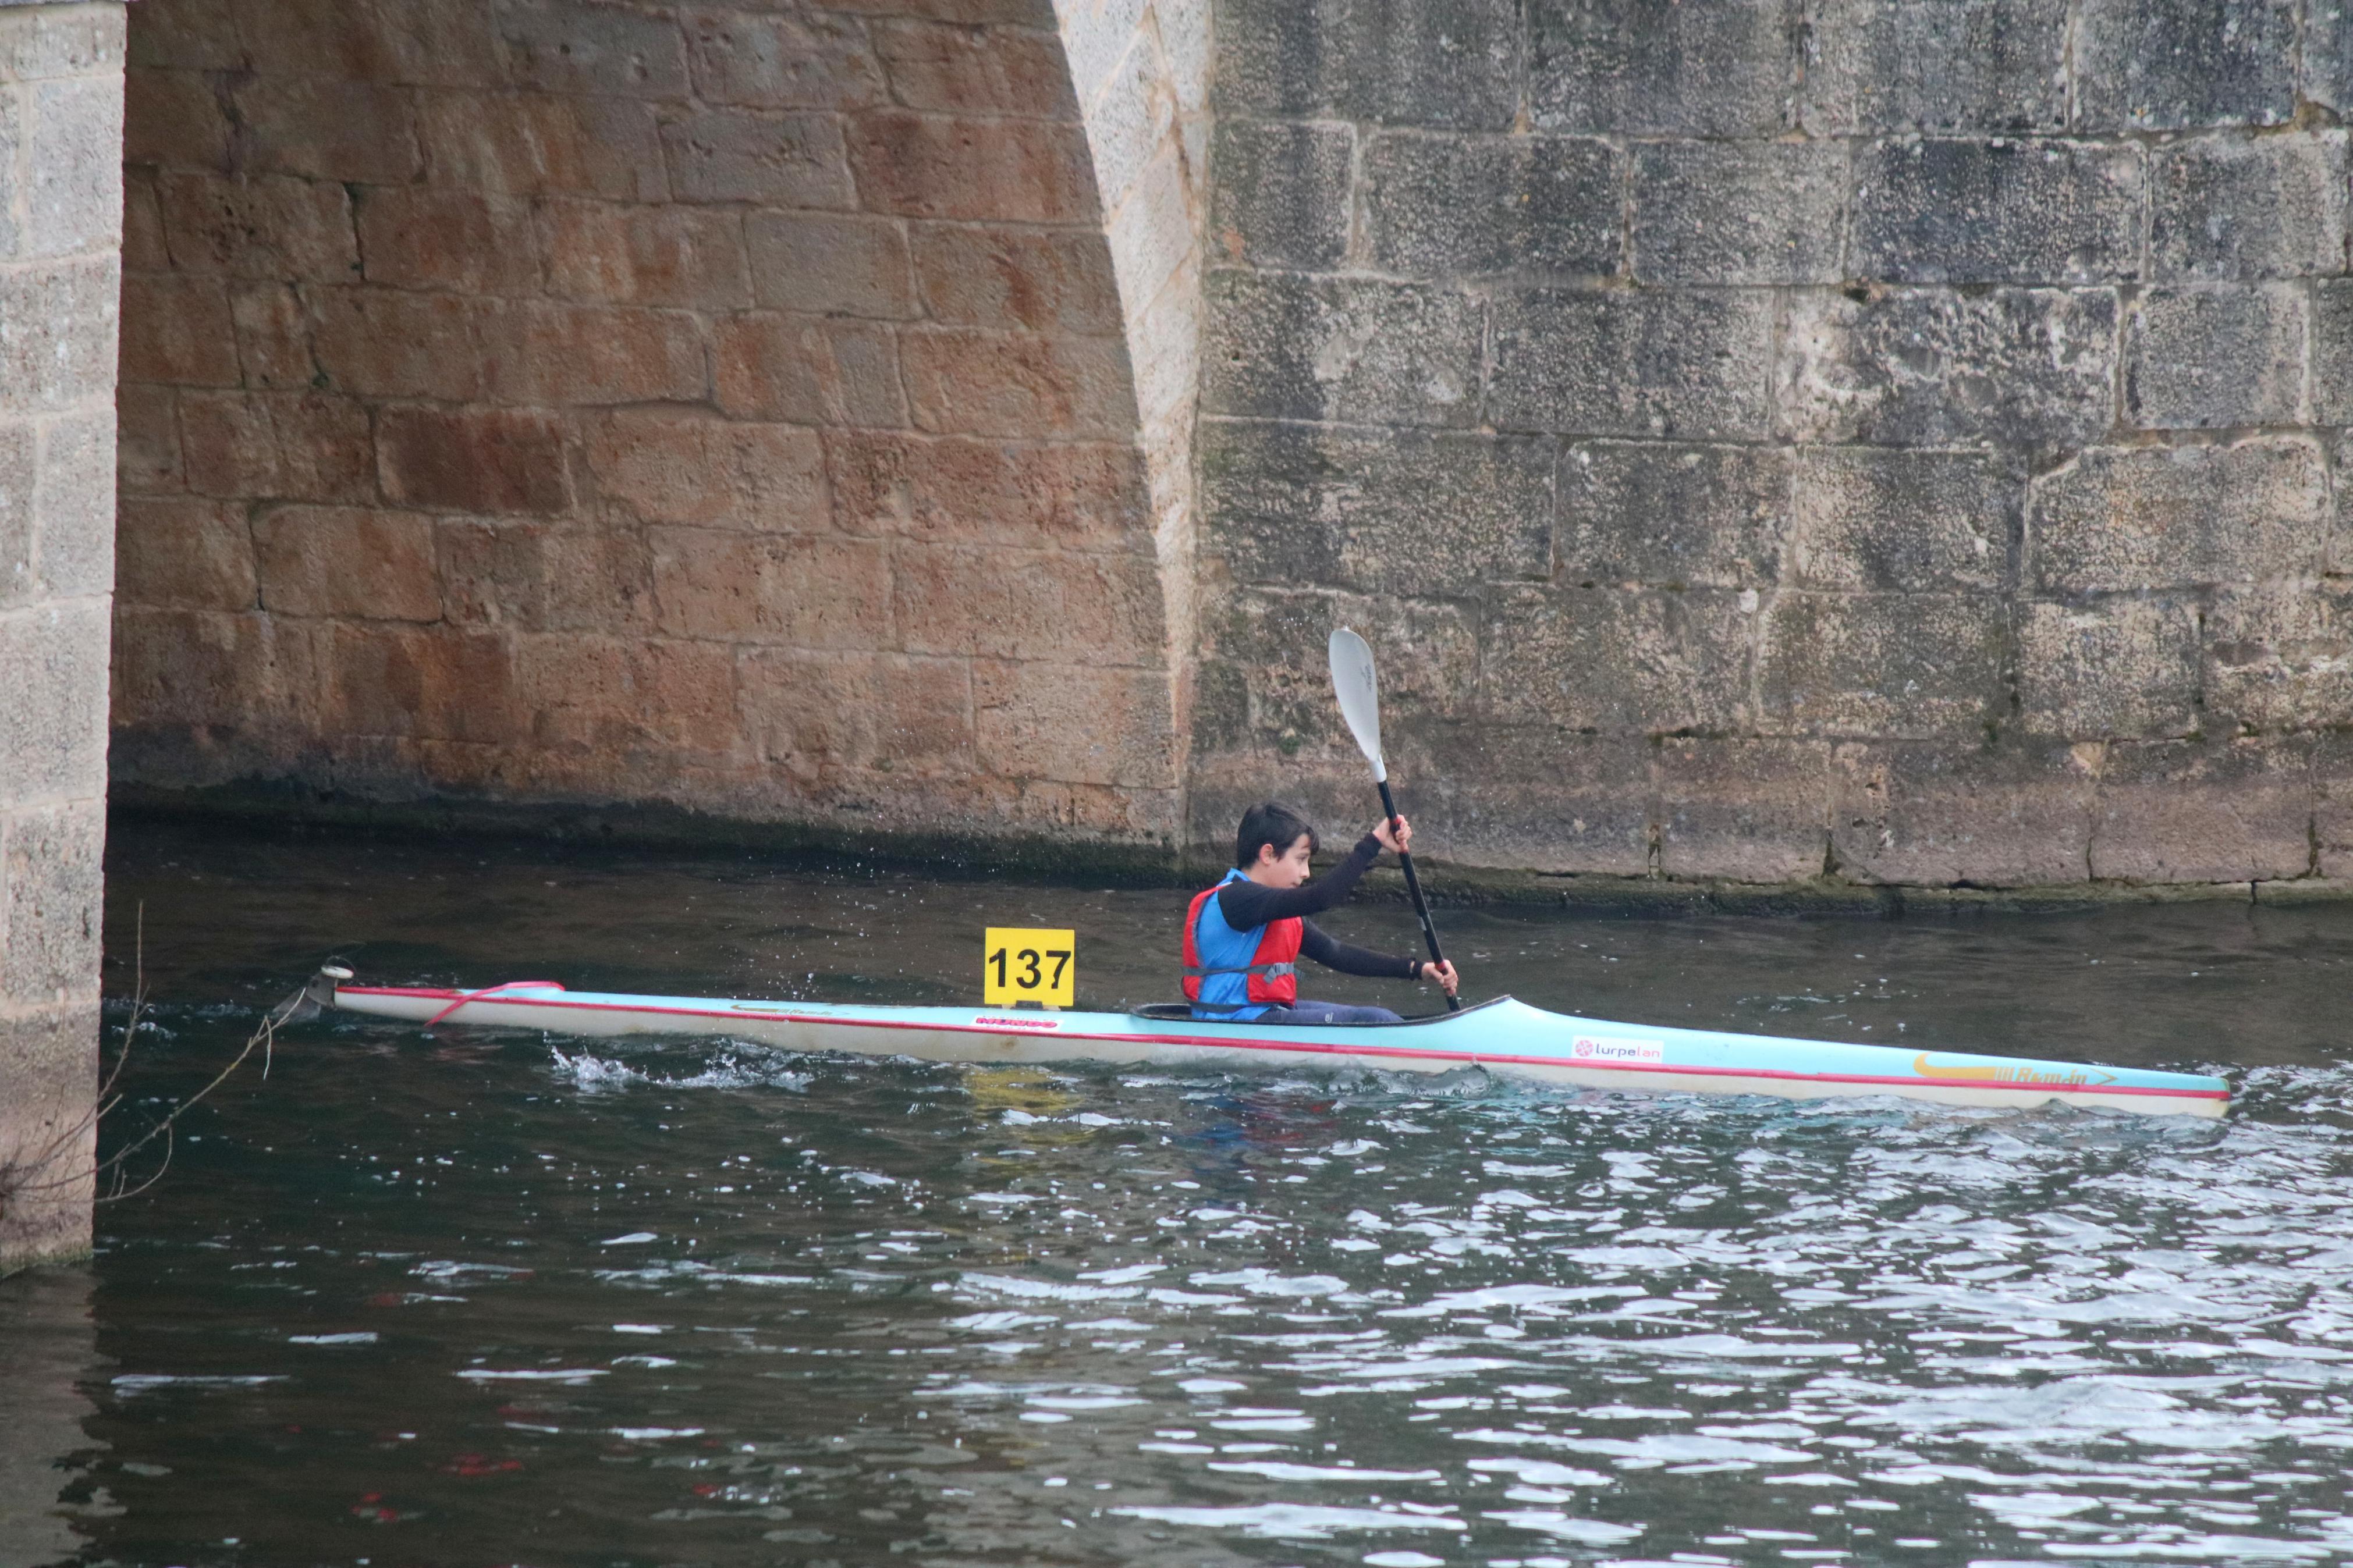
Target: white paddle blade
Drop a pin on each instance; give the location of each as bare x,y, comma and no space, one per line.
1359,691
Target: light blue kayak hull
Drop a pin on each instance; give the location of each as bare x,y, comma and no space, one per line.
1504,1037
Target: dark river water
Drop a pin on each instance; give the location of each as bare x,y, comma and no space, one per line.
478,1298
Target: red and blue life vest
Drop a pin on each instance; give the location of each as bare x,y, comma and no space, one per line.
1238,975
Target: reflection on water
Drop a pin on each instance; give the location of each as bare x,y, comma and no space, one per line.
514,1298
45,1462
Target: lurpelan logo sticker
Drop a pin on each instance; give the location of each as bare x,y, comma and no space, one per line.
1587,1049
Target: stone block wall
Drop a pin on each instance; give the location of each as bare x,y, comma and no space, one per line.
60,234
720,405
1776,437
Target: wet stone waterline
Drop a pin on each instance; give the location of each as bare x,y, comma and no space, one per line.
496,1297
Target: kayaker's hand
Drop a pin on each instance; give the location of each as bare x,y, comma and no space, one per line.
1443,972
1400,839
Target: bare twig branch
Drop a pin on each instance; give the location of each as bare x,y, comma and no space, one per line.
114,1171
119,1162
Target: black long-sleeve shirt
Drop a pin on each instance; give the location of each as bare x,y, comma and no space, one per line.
1245,904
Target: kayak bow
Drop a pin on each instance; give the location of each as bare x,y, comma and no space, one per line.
1504,1037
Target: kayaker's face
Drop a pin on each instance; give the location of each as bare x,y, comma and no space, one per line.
1287,869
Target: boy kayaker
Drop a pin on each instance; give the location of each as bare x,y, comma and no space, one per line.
1243,937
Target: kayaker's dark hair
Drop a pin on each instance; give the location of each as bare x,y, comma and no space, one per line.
1270,822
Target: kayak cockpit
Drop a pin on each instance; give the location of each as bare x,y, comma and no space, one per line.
1182,1013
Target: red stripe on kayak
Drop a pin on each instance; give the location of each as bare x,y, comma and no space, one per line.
1301,1046
467,996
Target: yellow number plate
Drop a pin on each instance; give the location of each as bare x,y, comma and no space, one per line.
1020,966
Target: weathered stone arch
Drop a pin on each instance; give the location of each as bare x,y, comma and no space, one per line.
568,402
1142,75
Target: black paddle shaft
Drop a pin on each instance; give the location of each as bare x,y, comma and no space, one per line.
1420,904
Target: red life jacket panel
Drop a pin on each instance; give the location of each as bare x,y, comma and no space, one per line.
1272,975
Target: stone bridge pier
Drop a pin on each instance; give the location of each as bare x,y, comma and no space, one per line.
1880,449
60,235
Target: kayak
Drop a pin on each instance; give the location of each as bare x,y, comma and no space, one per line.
1505,1037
